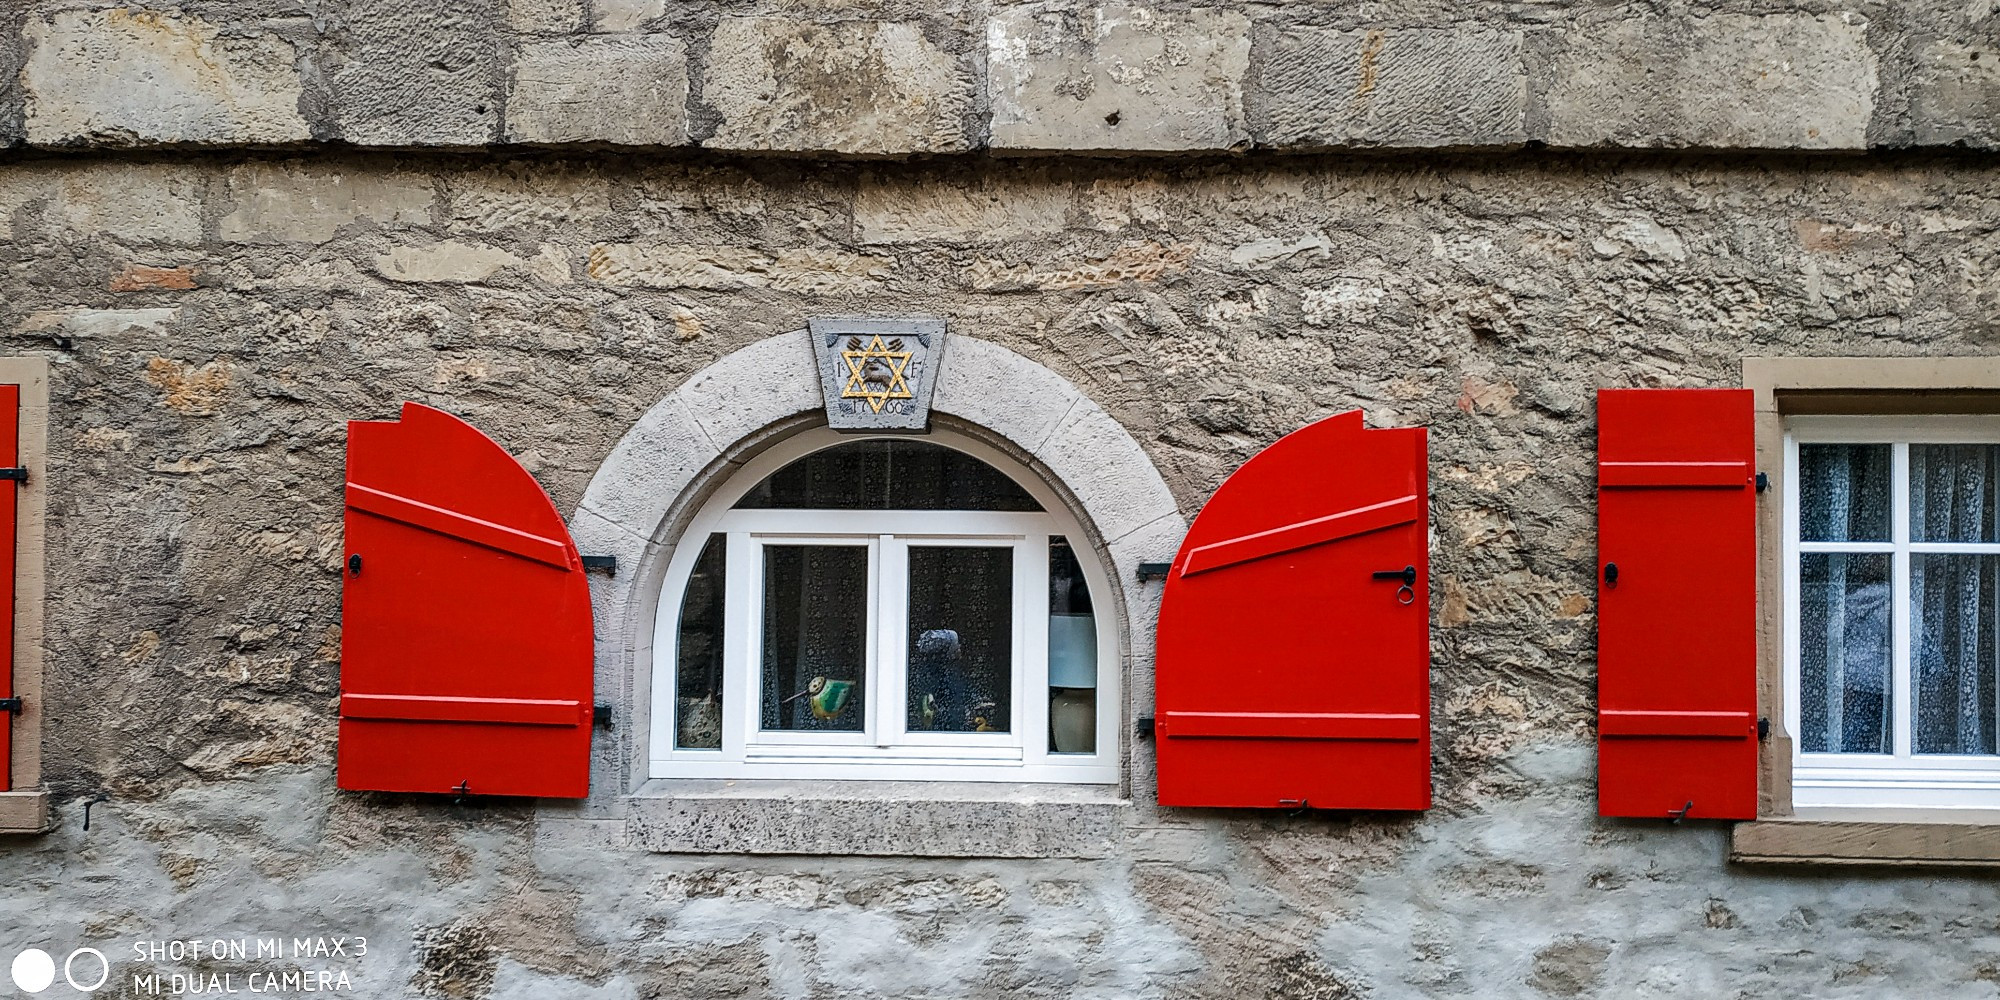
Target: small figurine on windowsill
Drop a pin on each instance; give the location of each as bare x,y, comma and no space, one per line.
826,698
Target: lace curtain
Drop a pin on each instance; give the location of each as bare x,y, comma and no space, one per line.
1845,615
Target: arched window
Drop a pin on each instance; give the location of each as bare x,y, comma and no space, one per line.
885,608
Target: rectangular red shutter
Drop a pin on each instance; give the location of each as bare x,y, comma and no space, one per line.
1677,583
10,506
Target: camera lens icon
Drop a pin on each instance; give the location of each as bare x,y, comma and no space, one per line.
34,970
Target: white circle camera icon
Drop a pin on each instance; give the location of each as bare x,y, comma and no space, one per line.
34,970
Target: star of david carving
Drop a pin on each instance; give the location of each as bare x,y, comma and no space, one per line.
876,391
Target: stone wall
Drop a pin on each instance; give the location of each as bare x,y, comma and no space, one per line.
888,78
212,322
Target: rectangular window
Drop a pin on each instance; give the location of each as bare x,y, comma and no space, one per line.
1892,590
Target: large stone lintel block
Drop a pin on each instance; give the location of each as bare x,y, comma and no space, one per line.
629,90
124,77
1117,78
853,88
1727,81
1421,88
414,72
1954,92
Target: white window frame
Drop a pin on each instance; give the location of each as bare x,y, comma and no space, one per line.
1900,779
883,749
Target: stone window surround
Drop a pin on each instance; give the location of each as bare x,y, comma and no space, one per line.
659,474
1859,386
26,808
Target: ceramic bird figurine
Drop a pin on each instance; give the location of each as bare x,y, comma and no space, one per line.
828,697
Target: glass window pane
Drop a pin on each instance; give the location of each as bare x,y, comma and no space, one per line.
961,639
1072,654
1952,651
888,475
1951,492
1844,492
698,651
1844,654
815,637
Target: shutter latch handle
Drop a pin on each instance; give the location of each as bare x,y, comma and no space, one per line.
1611,574
1407,593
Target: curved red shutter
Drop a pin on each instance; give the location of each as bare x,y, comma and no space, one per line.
465,619
1288,672
1676,618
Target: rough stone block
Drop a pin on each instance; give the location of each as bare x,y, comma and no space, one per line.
1955,93
853,87
134,203
988,209
147,278
129,77
618,89
625,15
453,262
300,203
414,72
724,267
13,130
1779,81
546,17
1117,78
1318,87
518,197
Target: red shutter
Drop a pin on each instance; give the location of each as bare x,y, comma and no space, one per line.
1676,618
1290,672
10,506
465,619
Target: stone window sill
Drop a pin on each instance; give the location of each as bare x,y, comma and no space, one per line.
24,811
1935,838
887,818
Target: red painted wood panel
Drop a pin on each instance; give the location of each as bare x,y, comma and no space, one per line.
1286,673
10,508
1676,633
466,634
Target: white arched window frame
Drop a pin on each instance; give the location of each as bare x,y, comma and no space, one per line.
884,749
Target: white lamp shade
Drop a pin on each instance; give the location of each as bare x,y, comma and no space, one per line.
1073,651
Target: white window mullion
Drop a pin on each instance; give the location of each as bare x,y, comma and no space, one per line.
1031,645
742,655
1900,678
888,623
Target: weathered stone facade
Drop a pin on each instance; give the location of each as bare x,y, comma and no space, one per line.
1209,307
220,282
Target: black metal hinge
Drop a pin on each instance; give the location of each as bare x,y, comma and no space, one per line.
1763,481
1154,571
1763,729
13,705
1142,727
609,564
600,715
16,473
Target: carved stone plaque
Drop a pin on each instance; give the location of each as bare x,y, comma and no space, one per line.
877,374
